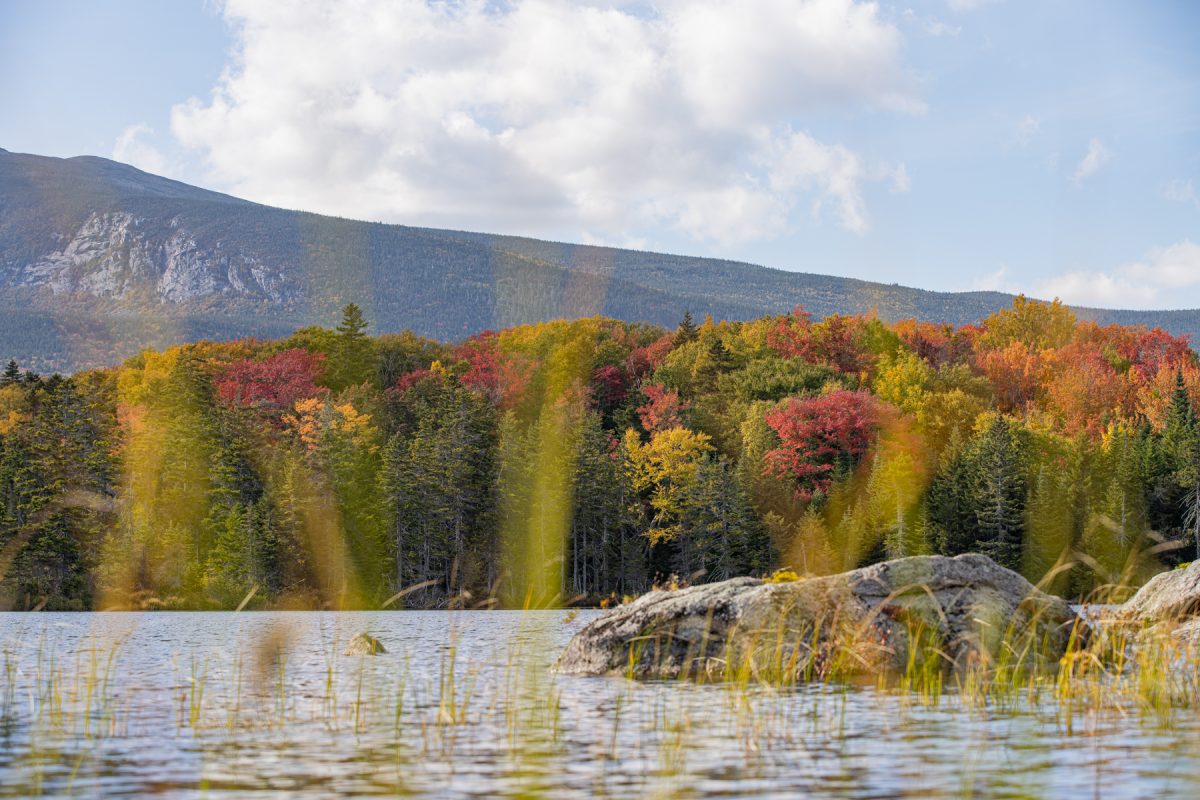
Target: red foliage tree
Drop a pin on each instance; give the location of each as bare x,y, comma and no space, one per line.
819,436
664,411
275,383
644,360
502,377
835,341
937,344
1149,351
609,386
482,354
411,379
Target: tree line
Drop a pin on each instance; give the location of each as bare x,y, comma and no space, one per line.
574,461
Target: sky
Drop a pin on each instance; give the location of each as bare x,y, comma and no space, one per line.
1049,147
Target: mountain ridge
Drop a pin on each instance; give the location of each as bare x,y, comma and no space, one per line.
99,260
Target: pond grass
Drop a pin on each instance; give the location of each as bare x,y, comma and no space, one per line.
64,706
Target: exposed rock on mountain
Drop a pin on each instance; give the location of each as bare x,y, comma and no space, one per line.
115,255
99,260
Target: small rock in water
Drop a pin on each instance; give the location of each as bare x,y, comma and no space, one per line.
364,644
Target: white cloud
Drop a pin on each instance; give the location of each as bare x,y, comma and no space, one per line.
997,281
1097,156
1182,192
1149,283
1102,289
1027,129
938,28
537,116
968,5
131,148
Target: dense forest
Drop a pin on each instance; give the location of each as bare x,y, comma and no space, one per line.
572,461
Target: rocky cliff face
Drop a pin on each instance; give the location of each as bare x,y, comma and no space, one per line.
115,254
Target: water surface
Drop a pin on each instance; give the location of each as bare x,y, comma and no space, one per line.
463,705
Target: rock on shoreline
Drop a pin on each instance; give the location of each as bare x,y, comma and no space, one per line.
863,621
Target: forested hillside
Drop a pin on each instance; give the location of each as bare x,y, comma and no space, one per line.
592,458
99,260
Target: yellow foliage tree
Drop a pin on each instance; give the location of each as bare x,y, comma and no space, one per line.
665,466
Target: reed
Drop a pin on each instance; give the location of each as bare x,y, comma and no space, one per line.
403,714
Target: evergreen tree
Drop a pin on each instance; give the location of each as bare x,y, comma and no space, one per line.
687,330
605,550
243,551
1181,446
438,483
352,359
717,362
1002,494
721,535
12,373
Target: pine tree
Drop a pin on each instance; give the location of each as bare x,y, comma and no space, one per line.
12,373
438,484
719,361
351,361
1001,495
721,535
1181,445
687,330
601,523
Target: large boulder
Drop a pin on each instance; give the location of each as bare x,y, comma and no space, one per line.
1171,596
945,611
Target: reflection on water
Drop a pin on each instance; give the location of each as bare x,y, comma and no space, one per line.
200,704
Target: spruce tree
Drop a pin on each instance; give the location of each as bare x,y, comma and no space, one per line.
1181,445
12,373
351,361
719,361
1001,495
951,500
687,330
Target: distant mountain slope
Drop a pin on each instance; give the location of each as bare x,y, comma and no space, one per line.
99,260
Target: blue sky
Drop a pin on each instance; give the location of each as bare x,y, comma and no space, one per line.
1049,147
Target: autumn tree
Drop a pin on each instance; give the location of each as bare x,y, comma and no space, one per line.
1033,323
663,469
273,384
821,438
663,409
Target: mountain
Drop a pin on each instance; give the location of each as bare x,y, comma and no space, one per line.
99,260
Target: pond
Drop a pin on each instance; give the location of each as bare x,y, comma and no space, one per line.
464,705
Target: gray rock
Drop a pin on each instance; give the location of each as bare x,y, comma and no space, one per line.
1169,596
364,644
117,255
862,621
